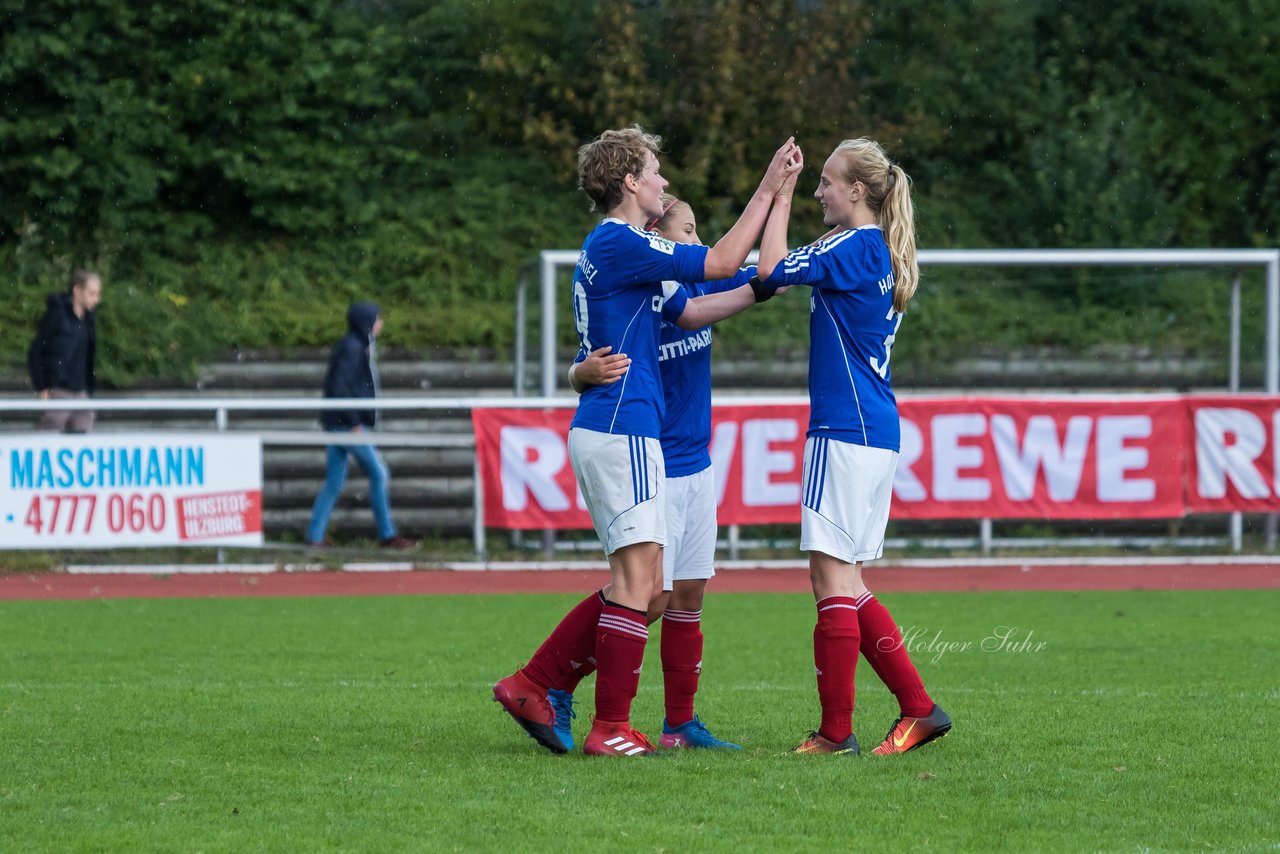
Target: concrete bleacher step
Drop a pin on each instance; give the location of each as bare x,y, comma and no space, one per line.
288,463
453,371
353,520
423,492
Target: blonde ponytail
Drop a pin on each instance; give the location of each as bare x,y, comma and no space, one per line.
897,220
889,198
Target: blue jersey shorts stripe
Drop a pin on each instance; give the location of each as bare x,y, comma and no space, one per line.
810,474
815,463
644,461
635,481
817,474
808,482
822,476
639,449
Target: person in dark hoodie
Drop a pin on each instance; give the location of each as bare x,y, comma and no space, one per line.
353,373
60,358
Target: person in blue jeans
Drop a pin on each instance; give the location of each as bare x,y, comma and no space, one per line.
353,373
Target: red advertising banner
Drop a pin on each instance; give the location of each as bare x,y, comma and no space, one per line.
1059,458
1233,462
524,469
961,458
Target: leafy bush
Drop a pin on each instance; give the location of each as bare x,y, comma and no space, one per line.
240,172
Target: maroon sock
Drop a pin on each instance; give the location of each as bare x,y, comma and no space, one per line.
569,649
620,640
884,650
835,656
681,662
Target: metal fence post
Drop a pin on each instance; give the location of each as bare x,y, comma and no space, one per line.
548,320
1235,522
220,424
1233,380
477,506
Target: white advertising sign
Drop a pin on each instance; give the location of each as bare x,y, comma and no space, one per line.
109,490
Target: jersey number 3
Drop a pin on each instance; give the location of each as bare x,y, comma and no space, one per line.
882,368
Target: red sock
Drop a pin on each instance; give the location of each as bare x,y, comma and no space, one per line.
835,656
681,662
620,640
886,653
562,660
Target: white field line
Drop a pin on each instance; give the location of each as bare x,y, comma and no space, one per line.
1025,563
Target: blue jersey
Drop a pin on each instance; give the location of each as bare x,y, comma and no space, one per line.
685,359
617,301
852,326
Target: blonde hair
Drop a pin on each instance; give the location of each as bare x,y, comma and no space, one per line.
889,198
604,162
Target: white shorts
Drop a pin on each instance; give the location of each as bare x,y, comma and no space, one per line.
844,500
691,528
622,481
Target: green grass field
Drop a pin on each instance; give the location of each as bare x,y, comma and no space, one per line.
1146,721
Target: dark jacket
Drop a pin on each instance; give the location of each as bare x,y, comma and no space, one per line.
62,353
350,373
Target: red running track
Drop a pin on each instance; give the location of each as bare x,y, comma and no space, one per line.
1223,576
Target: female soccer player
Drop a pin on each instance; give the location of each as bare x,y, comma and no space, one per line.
862,276
618,296
684,358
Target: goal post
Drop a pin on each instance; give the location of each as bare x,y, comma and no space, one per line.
552,261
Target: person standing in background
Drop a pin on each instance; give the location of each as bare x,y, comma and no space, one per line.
61,357
353,373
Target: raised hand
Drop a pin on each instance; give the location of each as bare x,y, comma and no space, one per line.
793,167
780,167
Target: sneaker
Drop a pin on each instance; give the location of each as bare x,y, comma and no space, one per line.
816,743
526,701
693,733
908,733
616,739
562,705
399,543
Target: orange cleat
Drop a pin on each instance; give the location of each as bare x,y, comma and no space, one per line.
816,743
908,733
526,701
609,738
